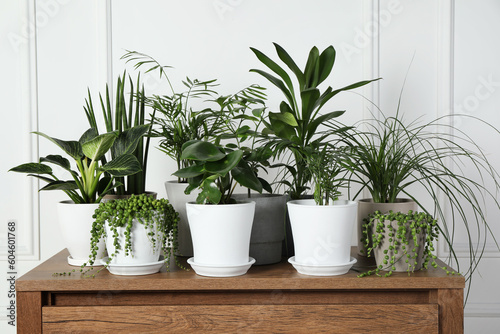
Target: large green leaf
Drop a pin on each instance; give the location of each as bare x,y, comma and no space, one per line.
124,165
202,151
278,83
285,57
311,71
97,147
57,160
326,61
223,166
189,172
88,135
127,141
275,68
72,148
33,168
309,98
209,191
287,118
60,185
246,177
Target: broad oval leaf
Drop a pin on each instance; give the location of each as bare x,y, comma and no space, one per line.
209,192
127,141
88,135
202,151
57,160
246,177
72,148
223,166
32,168
97,147
124,165
287,118
189,172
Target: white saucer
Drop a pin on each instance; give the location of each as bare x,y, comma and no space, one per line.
134,269
80,262
220,270
322,270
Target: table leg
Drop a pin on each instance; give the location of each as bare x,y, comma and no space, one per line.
29,312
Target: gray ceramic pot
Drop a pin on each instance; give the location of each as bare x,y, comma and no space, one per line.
367,206
268,227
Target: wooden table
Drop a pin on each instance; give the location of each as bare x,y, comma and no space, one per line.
273,298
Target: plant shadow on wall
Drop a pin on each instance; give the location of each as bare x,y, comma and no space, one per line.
394,158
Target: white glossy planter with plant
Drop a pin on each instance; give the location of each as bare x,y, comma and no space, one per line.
221,233
75,223
322,233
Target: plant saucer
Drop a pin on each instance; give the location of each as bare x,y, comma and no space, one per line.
322,270
134,269
220,270
79,263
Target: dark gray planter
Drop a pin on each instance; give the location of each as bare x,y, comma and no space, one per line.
268,227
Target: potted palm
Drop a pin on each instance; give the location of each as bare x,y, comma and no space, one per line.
394,159
87,187
179,120
323,244
220,227
300,122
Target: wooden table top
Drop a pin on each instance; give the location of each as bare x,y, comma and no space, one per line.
281,276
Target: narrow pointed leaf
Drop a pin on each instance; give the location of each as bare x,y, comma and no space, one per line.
189,172
326,61
278,83
33,168
285,57
320,120
310,71
275,68
57,160
246,177
88,135
60,185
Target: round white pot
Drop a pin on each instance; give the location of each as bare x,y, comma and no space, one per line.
221,233
178,199
142,248
322,233
75,222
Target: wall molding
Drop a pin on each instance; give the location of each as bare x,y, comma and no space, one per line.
482,310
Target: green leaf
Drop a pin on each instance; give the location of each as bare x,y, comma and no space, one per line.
309,98
72,148
127,141
189,172
321,119
202,151
43,178
278,83
60,185
57,160
285,57
209,192
246,177
311,71
326,61
33,168
88,135
275,68
97,147
223,166
124,165
287,118
265,185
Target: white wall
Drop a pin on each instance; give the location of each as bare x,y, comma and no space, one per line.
78,44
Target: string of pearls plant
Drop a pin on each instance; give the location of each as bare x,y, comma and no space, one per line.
405,233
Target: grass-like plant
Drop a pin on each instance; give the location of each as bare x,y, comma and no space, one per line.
394,158
128,120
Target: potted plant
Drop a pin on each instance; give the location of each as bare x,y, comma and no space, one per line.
87,187
137,230
180,120
301,122
220,226
322,227
395,159
401,242
128,120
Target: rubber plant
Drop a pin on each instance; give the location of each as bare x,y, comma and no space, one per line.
405,240
128,120
157,215
297,124
88,184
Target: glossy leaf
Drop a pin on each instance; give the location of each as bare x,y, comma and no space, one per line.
203,151
97,147
124,165
287,118
209,191
326,61
33,168
189,172
71,148
246,177
127,141
57,160
275,68
60,185
88,135
285,57
223,166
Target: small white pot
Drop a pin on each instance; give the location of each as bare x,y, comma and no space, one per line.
178,199
221,233
142,248
75,222
322,233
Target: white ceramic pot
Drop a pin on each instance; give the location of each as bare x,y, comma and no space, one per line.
221,233
142,249
75,222
178,199
322,233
